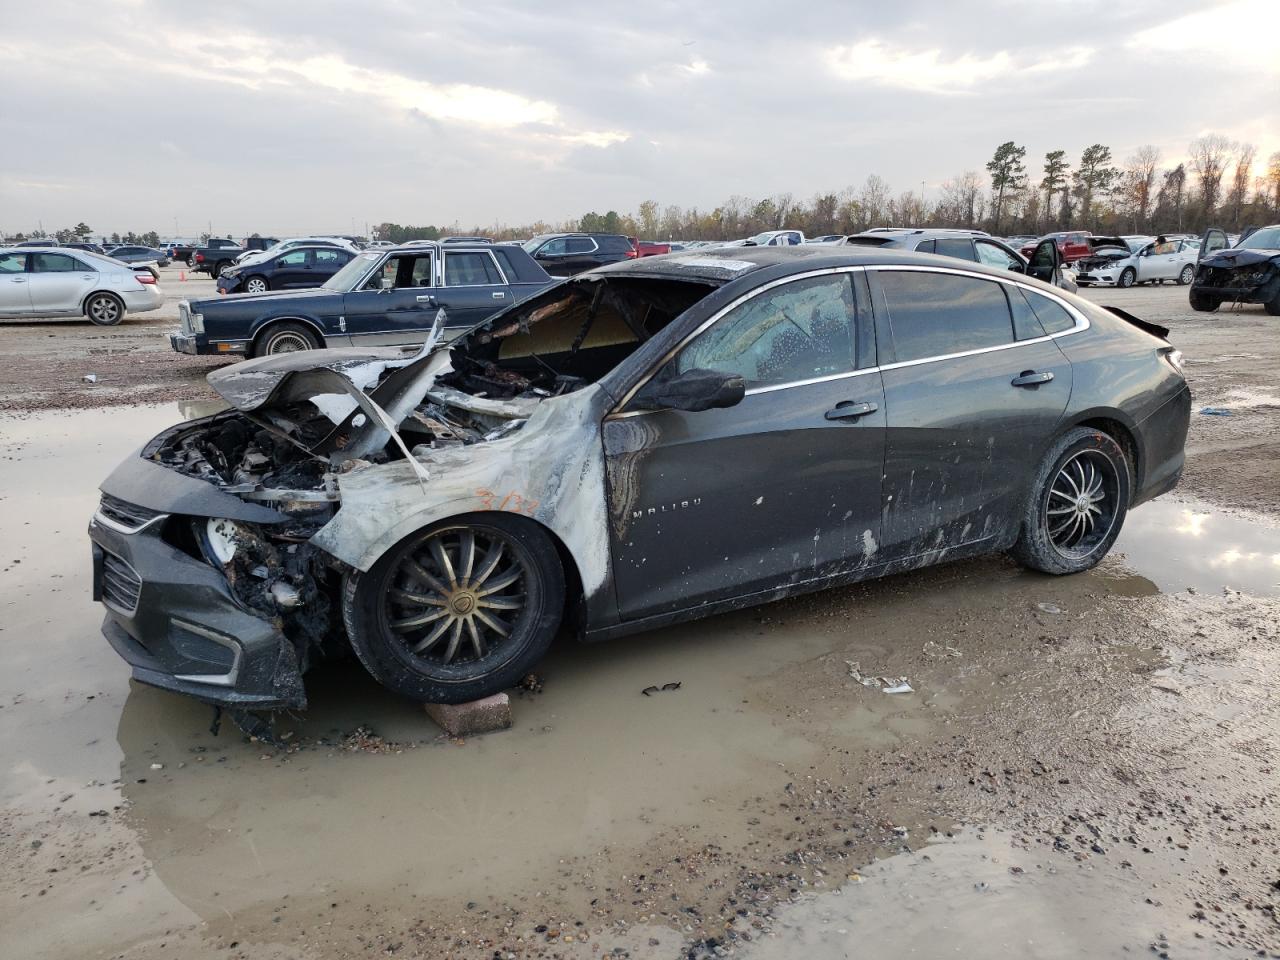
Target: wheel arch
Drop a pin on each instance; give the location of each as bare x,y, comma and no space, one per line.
1115,425
114,294
263,324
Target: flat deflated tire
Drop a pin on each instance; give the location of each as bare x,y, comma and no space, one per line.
459,610
1077,505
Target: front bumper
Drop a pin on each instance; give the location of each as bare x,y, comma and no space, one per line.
186,343
1096,277
1263,293
176,623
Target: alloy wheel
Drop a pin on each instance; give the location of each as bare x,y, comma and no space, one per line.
255,285
1081,507
457,596
104,309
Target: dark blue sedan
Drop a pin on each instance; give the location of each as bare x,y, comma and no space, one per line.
302,268
377,298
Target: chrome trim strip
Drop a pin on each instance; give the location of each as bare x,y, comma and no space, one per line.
101,518
227,679
804,383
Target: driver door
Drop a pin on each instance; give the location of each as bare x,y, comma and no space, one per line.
1046,262
396,305
1213,240
783,487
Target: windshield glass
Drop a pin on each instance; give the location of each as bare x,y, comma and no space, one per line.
760,239
1266,239
356,268
535,243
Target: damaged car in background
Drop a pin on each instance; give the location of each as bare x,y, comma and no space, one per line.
646,443
1249,272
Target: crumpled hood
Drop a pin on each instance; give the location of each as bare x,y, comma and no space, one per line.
1233,259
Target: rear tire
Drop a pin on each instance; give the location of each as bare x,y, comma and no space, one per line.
104,309
459,610
1203,302
1127,277
284,338
219,267
1079,499
1187,275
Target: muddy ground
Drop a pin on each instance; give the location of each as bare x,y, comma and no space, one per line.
1084,766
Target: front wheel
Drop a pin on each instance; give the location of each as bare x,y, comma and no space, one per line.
256,285
1187,275
104,310
284,338
1127,277
459,610
1078,502
1203,302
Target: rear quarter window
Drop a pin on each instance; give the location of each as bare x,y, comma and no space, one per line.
1053,316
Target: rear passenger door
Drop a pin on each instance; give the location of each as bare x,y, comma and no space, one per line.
474,287
58,283
974,389
328,262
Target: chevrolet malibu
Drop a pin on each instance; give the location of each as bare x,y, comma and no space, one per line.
645,443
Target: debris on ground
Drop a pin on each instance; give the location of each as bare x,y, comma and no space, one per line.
90,378
1048,608
887,684
1215,411
939,650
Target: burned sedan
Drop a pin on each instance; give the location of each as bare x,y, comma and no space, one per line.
1249,272
646,443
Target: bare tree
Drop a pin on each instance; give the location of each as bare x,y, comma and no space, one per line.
1210,157
1172,198
1140,182
1272,180
1238,194
873,201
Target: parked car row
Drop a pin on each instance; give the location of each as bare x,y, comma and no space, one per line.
53,282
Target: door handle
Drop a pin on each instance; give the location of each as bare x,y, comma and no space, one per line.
426,299
849,410
1029,378
18,280
498,295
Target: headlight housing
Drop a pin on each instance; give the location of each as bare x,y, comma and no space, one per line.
219,540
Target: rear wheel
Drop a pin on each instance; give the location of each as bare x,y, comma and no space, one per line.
220,266
1078,502
104,309
1127,277
459,610
1203,302
256,285
1187,275
284,338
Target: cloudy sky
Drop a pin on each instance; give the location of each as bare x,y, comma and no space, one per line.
324,115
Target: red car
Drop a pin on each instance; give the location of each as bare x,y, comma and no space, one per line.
650,248
1073,245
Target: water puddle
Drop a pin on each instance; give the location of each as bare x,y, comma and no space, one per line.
1182,544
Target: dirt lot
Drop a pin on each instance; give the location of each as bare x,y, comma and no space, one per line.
1084,766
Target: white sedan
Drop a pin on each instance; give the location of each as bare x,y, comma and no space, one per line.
52,282
1154,263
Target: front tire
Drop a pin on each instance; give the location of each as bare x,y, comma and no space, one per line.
1203,302
284,338
1186,276
459,610
1127,277
104,310
1079,499
1272,306
256,285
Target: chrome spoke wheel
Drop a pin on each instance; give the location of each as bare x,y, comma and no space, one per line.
457,596
1082,504
288,342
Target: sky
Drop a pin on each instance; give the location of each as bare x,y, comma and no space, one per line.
301,116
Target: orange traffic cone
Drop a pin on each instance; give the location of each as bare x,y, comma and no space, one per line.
182,276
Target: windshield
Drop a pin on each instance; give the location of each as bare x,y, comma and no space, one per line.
535,243
761,239
356,268
1267,238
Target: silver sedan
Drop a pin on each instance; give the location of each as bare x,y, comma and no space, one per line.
1154,263
44,282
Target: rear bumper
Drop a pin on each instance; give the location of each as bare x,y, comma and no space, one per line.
174,620
150,297
1163,440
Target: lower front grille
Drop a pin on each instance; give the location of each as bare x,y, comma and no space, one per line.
121,584
127,515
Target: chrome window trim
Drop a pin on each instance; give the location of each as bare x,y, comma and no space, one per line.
102,519
444,270
1082,324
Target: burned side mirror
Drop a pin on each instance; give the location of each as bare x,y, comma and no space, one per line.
691,391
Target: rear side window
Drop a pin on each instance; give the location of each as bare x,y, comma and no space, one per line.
57,263
579,245
1053,315
934,314
954,247
613,244
331,258
798,331
925,246
470,270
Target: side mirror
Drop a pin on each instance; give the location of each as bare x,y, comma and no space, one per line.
692,391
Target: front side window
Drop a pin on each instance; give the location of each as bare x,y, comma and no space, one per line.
13,262
798,331
403,272
935,314
296,259
554,247
57,263
994,256
470,270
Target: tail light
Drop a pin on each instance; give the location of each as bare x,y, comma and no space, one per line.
199,258
145,279
633,252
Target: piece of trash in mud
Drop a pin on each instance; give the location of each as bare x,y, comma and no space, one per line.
157,766
902,687
1048,608
1215,411
980,886
89,378
855,877
888,684
650,691
531,683
671,686
934,649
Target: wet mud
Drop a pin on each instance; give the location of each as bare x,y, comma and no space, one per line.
1084,766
